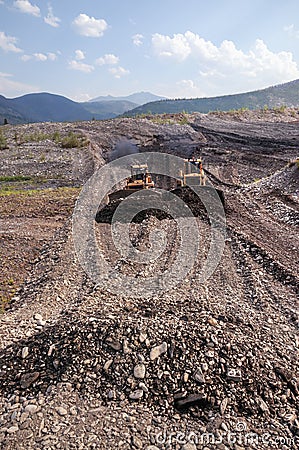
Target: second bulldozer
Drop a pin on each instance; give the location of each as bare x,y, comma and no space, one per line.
140,179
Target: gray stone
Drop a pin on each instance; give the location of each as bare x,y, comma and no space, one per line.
27,379
136,442
188,446
12,429
61,411
31,409
114,343
108,364
25,352
139,371
158,351
136,395
199,377
111,395
223,405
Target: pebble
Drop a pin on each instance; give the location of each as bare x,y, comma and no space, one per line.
31,409
126,348
212,321
73,410
61,411
27,379
190,400
143,387
223,405
199,377
12,429
139,371
188,446
114,343
158,351
142,337
38,317
111,395
262,404
108,364
25,352
136,395
137,443
41,323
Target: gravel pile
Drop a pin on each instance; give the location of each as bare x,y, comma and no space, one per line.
210,365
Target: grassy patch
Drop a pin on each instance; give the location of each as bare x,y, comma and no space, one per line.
73,140
15,178
7,291
11,190
3,141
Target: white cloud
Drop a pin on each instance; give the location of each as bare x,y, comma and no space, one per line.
82,67
80,97
7,43
26,7
177,47
79,55
119,71
89,26
11,88
50,19
254,69
188,88
137,39
39,57
52,56
109,59
292,31
26,58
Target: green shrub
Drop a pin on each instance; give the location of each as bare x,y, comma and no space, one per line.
73,140
14,178
3,141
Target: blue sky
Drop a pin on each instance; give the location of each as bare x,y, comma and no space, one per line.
83,49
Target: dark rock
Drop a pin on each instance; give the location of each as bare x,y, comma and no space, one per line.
191,400
27,379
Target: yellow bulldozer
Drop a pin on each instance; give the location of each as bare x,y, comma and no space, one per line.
192,174
140,179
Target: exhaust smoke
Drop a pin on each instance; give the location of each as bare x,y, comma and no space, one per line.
123,148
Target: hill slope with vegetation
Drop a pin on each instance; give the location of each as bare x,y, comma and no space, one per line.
286,94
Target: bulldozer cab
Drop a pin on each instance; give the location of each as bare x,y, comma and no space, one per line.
197,163
139,172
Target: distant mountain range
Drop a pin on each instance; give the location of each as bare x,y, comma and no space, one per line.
41,107
140,98
45,107
286,94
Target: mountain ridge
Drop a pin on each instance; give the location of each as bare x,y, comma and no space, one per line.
47,107
137,97
285,94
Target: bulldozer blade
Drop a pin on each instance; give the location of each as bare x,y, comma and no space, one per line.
185,192
123,193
